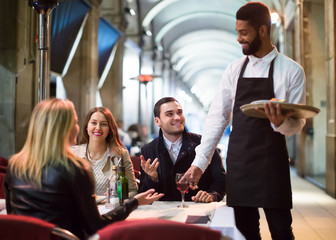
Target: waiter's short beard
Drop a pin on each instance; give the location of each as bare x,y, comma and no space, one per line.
253,46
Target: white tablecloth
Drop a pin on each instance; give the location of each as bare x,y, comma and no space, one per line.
223,220
222,216
3,206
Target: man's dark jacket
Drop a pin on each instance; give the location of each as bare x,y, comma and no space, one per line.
212,181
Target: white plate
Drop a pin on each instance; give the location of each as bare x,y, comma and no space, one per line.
266,101
99,199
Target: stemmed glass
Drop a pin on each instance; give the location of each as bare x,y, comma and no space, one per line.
183,187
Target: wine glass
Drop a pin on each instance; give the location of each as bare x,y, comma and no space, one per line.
183,187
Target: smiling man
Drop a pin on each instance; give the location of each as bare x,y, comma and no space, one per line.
258,173
173,152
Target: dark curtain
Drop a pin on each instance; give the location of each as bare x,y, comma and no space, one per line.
66,21
107,37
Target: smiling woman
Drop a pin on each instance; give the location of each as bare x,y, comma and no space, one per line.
100,144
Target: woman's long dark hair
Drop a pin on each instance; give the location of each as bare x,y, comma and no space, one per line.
113,139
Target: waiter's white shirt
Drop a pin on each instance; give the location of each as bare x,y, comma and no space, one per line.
289,85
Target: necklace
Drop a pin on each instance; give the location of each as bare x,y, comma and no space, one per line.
96,156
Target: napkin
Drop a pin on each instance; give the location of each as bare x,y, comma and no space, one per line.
197,219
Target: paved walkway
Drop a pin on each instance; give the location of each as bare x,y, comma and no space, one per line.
314,212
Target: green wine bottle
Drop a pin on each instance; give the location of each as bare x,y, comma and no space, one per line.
122,185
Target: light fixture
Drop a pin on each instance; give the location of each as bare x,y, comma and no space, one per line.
159,48
275,18
148,33
145,78
130,11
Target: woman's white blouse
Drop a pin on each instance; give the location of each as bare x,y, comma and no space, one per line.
101,169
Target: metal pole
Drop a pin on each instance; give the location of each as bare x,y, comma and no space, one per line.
43,8
44,47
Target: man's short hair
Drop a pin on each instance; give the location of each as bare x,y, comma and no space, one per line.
157,107
257,14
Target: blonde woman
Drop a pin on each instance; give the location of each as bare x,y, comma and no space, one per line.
46,180
101,145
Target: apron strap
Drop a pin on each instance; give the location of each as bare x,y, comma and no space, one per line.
270,72
270,77
243,68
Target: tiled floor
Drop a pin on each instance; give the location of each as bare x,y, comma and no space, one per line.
314,212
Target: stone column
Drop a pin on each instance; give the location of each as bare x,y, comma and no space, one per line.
112,91
330,20
19,73
299,57
81,79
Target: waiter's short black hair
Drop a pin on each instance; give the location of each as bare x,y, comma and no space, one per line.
157,107
257,14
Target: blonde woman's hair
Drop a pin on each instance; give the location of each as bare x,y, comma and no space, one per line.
47,143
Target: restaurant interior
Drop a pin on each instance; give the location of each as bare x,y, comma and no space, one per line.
127,54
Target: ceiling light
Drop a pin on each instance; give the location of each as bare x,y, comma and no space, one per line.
148,33
130,11
275,18
159,48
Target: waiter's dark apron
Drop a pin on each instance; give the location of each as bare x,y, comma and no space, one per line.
257,158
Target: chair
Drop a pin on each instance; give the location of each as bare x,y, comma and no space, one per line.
155,229
3,162
2,181
3,169
136,167
31,228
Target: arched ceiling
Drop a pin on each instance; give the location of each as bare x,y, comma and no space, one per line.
197,37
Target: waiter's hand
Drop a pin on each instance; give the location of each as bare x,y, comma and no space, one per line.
273,112
193,176
202,196
150,168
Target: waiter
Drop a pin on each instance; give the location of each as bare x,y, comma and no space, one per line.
258,173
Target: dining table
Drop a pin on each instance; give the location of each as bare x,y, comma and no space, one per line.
215,215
